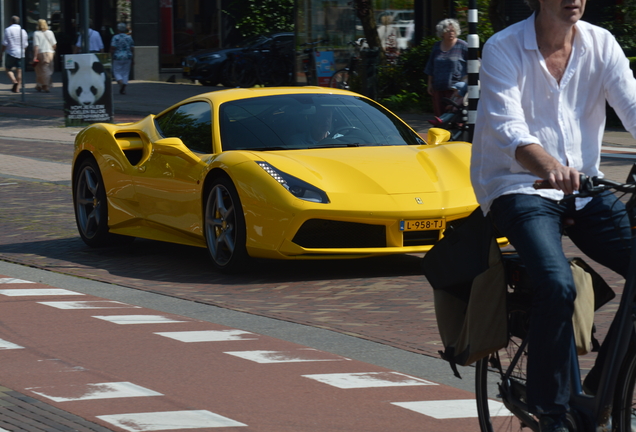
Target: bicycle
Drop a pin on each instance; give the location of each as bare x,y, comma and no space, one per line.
454,120
243,70
615,399
342,78
309,63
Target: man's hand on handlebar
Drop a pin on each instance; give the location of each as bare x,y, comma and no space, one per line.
565,179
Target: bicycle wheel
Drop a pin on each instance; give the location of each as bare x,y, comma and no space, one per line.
489,374
244,73
624,412
340,79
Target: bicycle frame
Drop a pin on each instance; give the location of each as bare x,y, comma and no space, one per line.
591,413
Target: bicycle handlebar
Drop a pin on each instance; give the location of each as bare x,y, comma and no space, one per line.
591,186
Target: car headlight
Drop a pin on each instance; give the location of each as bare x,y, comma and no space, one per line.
297,187
211,56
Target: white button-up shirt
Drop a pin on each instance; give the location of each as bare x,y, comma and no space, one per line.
12,40
521,103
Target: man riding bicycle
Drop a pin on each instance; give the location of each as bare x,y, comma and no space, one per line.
541,115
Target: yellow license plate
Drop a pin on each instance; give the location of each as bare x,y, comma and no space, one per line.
422,225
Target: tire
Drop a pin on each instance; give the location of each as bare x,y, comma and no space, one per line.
91,206
226,74
244,73
340,79
493,415
224,227
624,411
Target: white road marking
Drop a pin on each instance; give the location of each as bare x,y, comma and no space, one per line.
169,420
302,355
138,319
100,304
37,292
112,390
452,409
11,280
368,380
6,345
209,335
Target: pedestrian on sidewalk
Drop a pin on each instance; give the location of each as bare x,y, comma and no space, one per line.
95,43
14,43
447,64
122,50
44,44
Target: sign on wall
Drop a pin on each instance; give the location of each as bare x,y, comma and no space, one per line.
87,89
325,67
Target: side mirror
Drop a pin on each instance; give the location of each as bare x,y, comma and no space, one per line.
175,147
437,136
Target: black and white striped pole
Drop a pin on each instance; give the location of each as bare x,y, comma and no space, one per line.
473,68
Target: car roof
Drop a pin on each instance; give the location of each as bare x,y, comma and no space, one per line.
221,96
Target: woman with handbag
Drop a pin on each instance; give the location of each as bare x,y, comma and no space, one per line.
44,44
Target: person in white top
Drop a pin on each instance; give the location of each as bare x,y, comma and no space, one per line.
541,115
14,43
44,44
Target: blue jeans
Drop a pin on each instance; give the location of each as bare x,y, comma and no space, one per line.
534,226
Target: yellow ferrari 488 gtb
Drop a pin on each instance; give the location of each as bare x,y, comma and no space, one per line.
284,173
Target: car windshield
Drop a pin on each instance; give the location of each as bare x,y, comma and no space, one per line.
302,121
254,40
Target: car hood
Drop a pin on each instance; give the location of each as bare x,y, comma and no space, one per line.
379,170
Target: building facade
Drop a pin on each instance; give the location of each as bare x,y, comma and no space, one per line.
165,31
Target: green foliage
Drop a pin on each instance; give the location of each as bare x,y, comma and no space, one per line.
484,26
623,24
404,101
403,86
266,16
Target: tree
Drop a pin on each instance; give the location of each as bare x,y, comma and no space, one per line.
266,16
484,24
364,11
623,24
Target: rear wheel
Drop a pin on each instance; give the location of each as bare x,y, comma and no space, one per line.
244,72
91,206
624,415
225,227
340,79
489,373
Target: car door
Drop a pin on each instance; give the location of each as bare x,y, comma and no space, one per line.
170,180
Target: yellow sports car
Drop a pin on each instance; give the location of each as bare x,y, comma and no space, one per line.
284,173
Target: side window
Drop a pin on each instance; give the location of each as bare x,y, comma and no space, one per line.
192,123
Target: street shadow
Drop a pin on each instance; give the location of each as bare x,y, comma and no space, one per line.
155,261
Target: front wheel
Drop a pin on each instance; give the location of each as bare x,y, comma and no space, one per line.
340,79
624,407
489,373
225,227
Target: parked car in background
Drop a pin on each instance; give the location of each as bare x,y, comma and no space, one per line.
211,67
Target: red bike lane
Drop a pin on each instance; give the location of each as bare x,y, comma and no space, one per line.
131,368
